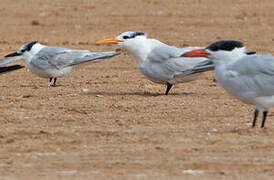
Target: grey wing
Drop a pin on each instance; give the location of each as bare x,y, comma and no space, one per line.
9,60
171,58
254,65
58,58
94,57
201,67
164,52
255,73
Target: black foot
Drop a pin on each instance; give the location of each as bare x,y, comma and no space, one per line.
54,82
264,118
168,87
50,79
256,113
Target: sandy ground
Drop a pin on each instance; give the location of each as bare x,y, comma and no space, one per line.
106,121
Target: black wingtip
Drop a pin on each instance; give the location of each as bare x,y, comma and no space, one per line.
10,68
251,53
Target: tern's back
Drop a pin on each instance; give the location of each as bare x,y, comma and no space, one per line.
248,78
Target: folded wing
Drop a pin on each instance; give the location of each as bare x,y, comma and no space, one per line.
53,57
253,74
171,58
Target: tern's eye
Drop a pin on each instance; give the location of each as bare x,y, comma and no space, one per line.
214,48
125,37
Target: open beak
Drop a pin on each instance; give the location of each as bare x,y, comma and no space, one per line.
197,53
13,54
109,41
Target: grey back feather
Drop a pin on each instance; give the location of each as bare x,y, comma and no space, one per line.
253,65
55,57
253,74
165,52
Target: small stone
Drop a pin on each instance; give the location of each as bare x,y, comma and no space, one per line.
85,90
222,172
67,172
159,148
140,176
35,22
95,172
193,172
129,131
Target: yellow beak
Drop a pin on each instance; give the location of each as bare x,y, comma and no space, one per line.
109,41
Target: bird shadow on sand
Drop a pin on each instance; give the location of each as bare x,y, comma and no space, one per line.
145,94
41,86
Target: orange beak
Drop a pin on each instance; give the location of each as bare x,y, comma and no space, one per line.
197,53
109,41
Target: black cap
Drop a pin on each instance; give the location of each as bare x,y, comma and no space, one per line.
226,45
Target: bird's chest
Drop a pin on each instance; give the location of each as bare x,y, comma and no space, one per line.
36,70
234,84
154,72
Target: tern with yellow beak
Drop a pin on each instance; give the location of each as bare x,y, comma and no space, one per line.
157,61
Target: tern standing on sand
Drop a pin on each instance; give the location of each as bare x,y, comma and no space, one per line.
247,76
52,62
157,61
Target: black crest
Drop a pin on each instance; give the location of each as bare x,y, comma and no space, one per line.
227,45
139,34
133,35
29,46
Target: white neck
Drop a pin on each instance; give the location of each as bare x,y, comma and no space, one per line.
227,57
140,47
34,50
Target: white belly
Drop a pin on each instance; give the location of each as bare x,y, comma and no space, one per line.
237,87
159,73
47,73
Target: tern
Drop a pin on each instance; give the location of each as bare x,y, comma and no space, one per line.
247,76
52,62
157,61
6,69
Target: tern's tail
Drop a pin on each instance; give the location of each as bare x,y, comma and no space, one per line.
95,57
9,60
202,67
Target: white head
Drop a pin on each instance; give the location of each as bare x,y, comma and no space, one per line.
25,49
220,52
126,39
134,42
129,38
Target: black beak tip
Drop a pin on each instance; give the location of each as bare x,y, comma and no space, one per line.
12,54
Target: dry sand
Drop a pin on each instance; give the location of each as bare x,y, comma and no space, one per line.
107,121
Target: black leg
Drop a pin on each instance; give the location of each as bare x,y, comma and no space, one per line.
50,79
264,118
256,113
168,87
54,81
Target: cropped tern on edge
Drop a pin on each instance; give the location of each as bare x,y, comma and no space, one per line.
247,76
52,62
157,61
6,69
